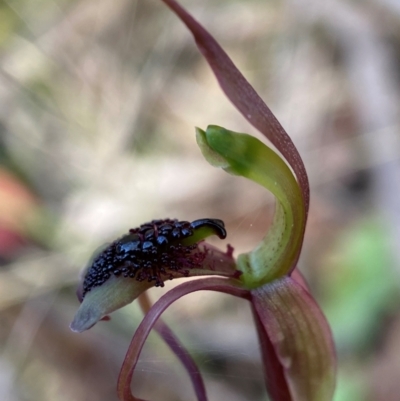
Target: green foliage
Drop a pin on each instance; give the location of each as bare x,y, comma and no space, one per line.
363,287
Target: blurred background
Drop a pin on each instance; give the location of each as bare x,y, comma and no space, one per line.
99,100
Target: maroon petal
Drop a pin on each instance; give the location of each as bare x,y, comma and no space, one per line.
178,349
214,284
275,379
300,339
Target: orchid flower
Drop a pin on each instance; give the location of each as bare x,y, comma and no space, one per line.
295,339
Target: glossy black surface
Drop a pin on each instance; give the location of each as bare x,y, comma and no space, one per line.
148,251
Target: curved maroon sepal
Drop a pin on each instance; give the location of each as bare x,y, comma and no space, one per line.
132,356
275,380
300,339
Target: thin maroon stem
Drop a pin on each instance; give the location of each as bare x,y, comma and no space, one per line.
179,350
212,284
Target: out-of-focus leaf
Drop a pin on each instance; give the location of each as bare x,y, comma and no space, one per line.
8,24
350,386
361,286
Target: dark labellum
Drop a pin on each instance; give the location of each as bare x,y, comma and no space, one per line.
151,252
